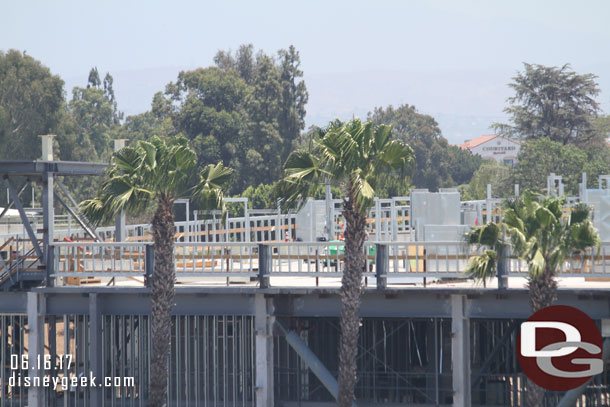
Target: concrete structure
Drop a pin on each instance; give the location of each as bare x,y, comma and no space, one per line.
494,146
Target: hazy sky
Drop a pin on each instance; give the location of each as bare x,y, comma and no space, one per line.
431,49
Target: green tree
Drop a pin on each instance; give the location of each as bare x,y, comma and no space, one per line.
244,62
94,120
538,158
260,197
31,104
156,173
462,164
206,105
263,159
351,156
490,172
143,126
291,118
422,133
536,230
93,81
552,102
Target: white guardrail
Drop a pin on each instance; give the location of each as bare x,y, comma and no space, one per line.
292,259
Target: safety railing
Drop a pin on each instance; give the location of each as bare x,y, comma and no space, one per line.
216,259
388,262
593,263
87,259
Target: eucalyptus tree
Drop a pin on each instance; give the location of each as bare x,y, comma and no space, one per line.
537,231
350,156
155,174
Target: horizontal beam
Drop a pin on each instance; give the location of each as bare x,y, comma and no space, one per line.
38,168
299,302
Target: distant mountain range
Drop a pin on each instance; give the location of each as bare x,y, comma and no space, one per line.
465,103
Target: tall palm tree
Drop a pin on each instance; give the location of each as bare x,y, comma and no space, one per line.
537,231
156,173
351,156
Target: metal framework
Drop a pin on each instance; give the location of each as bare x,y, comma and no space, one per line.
227,349
40,259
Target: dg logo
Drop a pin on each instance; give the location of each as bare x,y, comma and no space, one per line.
560,348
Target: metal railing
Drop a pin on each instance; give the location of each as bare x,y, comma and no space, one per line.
387,261
588,263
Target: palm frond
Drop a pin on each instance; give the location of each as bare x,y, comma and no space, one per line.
483,266
209,192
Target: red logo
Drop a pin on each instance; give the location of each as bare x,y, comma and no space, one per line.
560,348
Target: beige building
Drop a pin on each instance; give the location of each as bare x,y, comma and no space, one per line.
501,149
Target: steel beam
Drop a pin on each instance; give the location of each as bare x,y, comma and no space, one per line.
10,203
494,352
26,223
120,218
263,325
88,229
311,360
36,315
460,351
48,220
95,348
39,168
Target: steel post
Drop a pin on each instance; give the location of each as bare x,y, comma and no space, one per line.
95,354
36,319
460,351
382,264
263,324
48,220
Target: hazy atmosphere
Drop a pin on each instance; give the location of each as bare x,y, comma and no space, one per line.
450,60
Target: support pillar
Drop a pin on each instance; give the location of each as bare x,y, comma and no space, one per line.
330,227
382,265
503,267
36,314
488,205
377,219
263,325
460,351
48,219
119,220
95,349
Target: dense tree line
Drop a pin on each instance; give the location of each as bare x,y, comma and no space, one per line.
248,111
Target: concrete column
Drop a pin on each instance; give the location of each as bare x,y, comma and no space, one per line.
460,351
119,221
36,314
48,219
95,350
263,324
47,147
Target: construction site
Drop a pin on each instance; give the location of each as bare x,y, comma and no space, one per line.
256,320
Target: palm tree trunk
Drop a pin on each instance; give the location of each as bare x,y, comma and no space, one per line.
351,290
542,292
162,287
